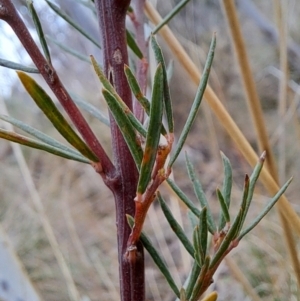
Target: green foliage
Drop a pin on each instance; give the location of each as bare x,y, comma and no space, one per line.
39,30
153,133
45,103
150,156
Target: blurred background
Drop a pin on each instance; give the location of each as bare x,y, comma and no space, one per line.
79,206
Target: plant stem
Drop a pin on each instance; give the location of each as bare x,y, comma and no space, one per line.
111,16
9,14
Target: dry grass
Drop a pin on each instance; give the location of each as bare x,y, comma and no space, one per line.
81,210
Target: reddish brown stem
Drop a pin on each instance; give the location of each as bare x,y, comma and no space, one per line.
143,201
111,16
9,14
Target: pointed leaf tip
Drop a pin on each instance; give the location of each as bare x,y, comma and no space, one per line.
263,156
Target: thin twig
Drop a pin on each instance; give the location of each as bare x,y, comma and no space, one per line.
9,14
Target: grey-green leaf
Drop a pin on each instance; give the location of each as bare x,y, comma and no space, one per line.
266,209
153,133
200,280
203,233
226,190
136,90
192,279
39,30
95,112
45,103
107,85
197,247
133,45
170,15
253,179
17,66
183,197
69,20
175,226
200,194
38,134
14,137
167,96
196,103
224,209
125,127
70,50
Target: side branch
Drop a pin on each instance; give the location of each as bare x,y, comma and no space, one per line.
9,14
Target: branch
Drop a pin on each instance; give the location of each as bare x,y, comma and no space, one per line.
9,14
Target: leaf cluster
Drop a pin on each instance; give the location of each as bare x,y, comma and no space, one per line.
151,148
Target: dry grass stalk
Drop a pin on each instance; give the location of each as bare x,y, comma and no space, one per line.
256,109
240,277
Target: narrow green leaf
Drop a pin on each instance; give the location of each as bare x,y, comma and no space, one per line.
243,205
137,92
200,194
197,246
175,226
226,189
38,134
156,258
107,85
192,279
198,285
227,239
69,20
14,137
95,112
16,66
183,197
225,212
203,233
39,30
170,15
45,103
200,238
153,133
266,209
196,103
253,179
69,50
125,127
166,90
133,45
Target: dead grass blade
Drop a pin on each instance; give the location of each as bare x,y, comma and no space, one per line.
256,109
240,277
